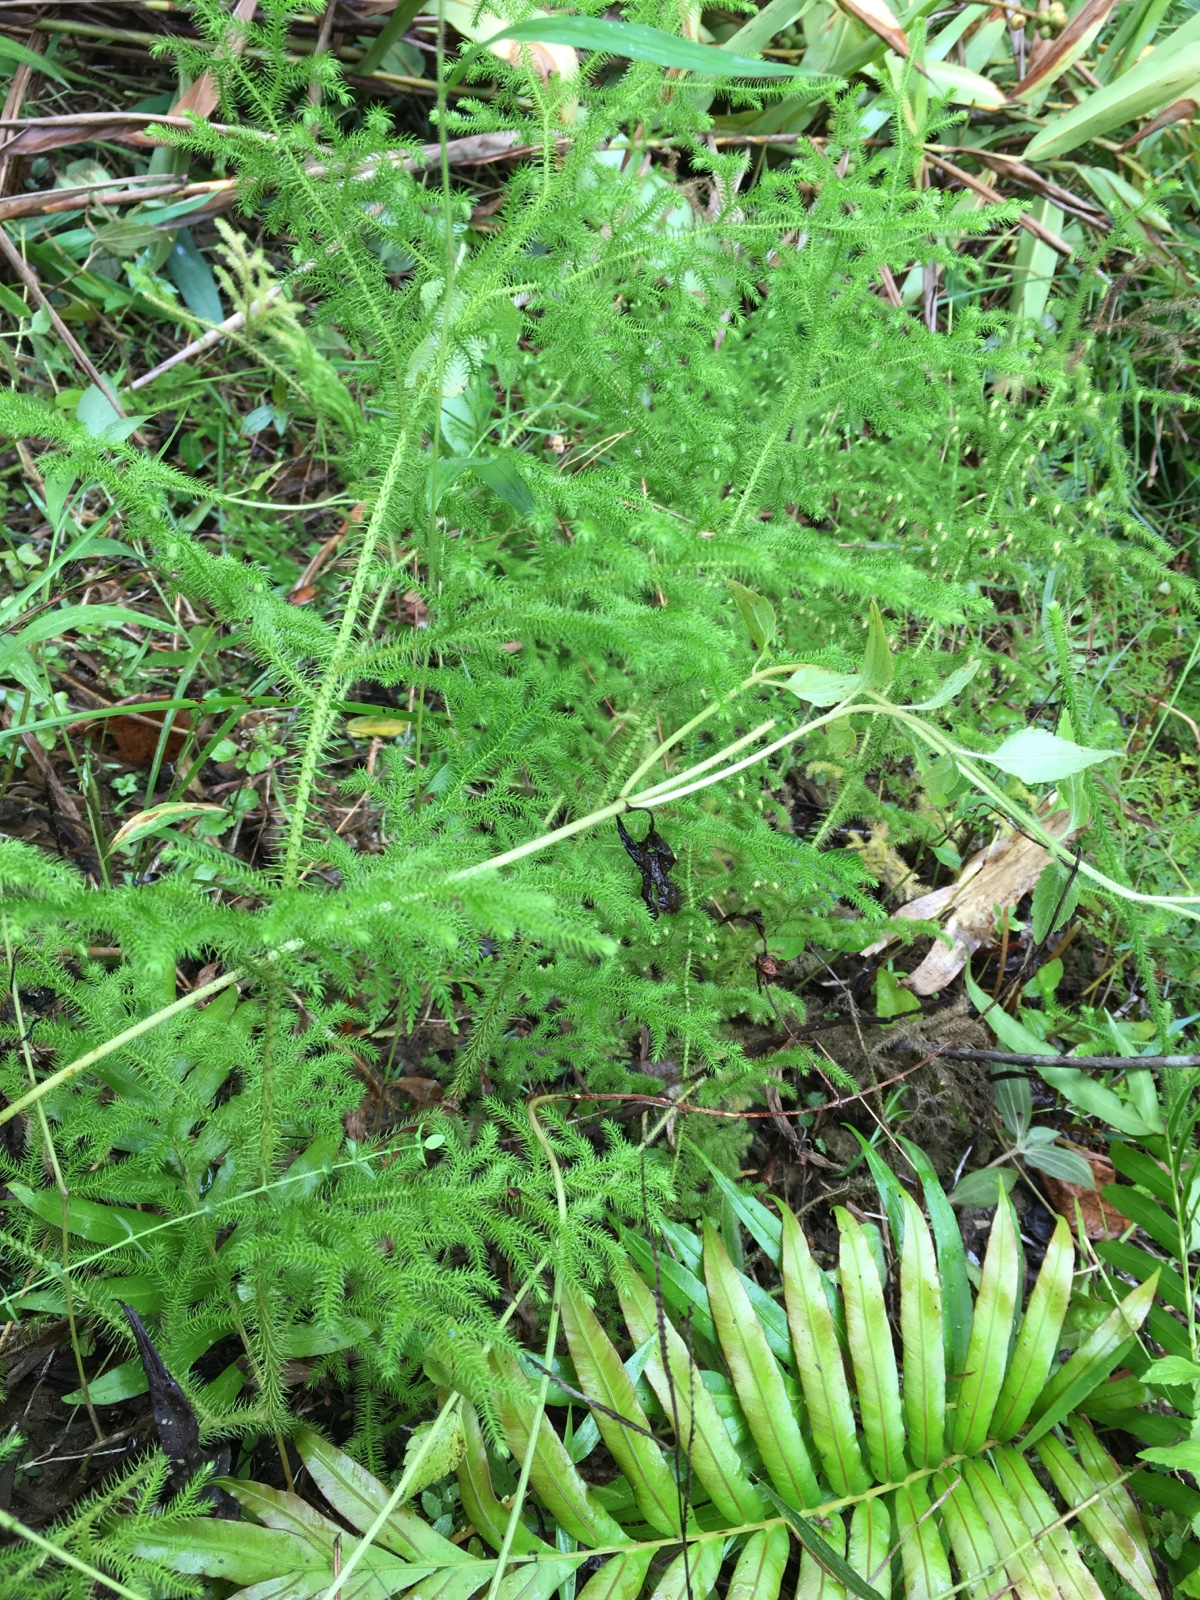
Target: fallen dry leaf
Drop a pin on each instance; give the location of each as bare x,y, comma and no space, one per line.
999,875
425,1091
1100,1220
133,737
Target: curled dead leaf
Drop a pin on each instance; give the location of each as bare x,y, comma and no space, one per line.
999,875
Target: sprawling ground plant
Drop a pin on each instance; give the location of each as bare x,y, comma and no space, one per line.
630,451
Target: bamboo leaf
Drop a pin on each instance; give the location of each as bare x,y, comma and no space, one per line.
602,1376
819,1364
1037,1342
987,1352
1166,75
757,1379
921,1335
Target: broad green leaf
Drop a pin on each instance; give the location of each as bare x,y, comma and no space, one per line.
926,1569
892,999
962,87
502,478
100,1224
202,1546
688,1405
1096,1357
1037,1511
1035,264
1068,1166
878,668
603,1377
987,1353
1084,1091
1172,1369
193,277
757,612
1037,1343
983,1187
821,687
1025,1566
1055,896
757,1379
869,1336
1169,73
1113,1521
571,1502
819,1364
1007,1029
1181,1457
823,1553
921,1336
761,1565
83,620
1139,1167
953,686
957,1304
636,42
1035,756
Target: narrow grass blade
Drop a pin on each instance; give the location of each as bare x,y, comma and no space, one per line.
757,1379
870,1337
1113,1521
987,1353
921,1335
701,1434
831,1561
1093,1361
819,1364
603,1377
926,1569
1037,1343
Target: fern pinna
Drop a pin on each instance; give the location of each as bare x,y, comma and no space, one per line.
964,1467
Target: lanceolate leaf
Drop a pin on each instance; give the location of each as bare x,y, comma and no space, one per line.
1037,1343
820,1551
637,42
1038,1511
924,1352
987,1353
1093,1361
870,1339
957,1308
926,1570
1113,1520
759,1571
819,1364
757,1379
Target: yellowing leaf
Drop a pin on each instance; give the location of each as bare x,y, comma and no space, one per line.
143,823
377,727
